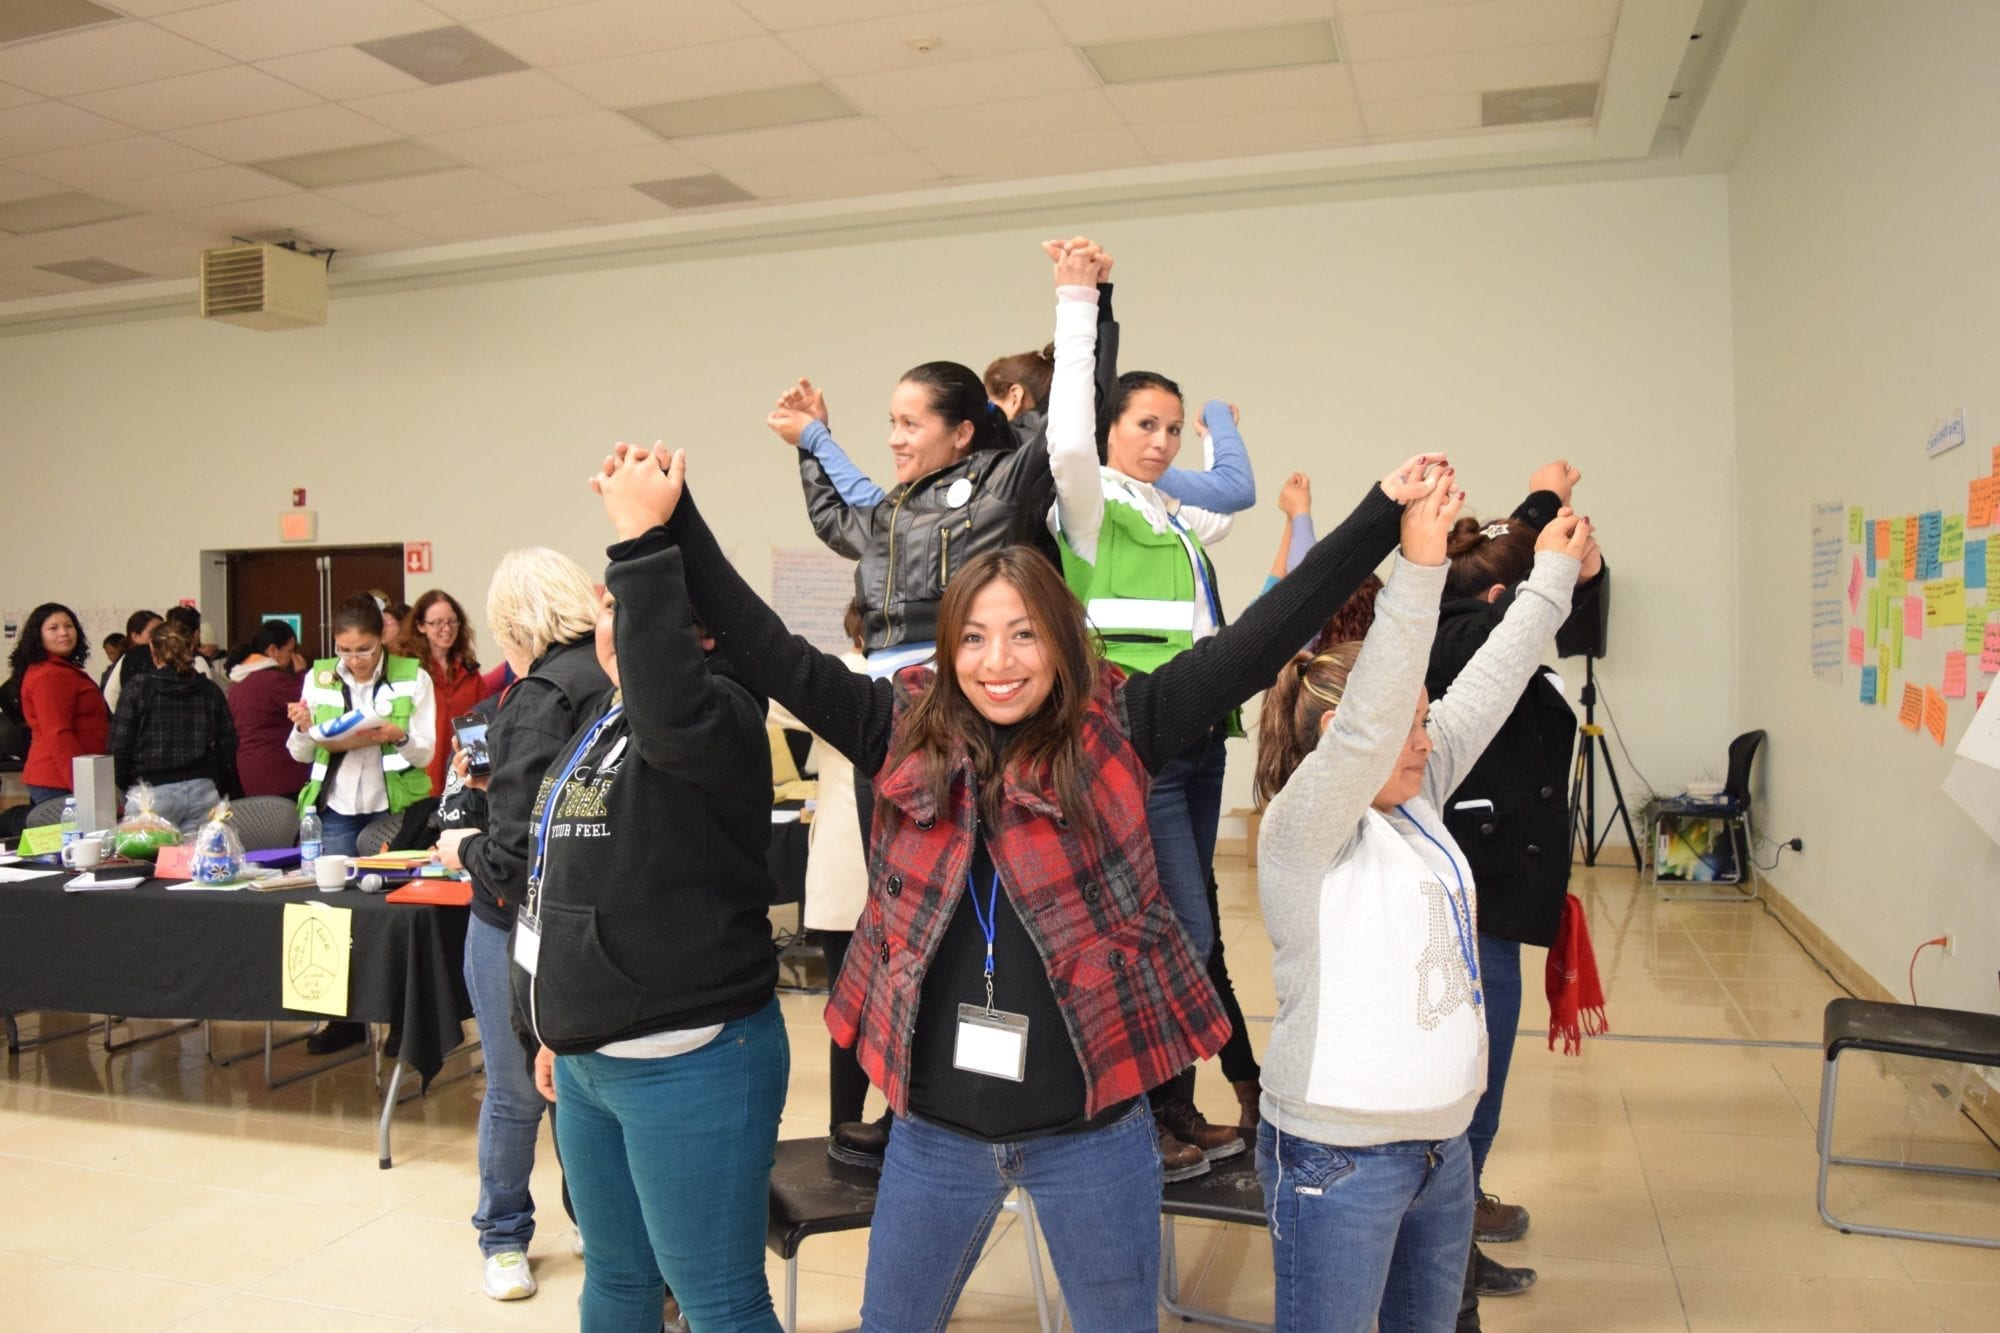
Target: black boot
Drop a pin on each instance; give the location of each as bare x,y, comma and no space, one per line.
860,1143
1493,1278
1468,1301
336,1037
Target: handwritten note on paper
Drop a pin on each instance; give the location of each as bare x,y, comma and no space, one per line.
810,590
1894,585
1868,685
1913,617
1930,539
1881,539
1989,649
1856,646
1882,676
1874,617
1951,546
1981,493
1975,629
1854,585
1954,675
1946,435
1992,563
1934,714
1944,602
1911,714
1912,546
1975,564
1828,545
40,840
1854,525
318,941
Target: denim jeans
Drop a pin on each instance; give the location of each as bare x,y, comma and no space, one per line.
1500,975
36,795
510,1114
338,832
1366,1234
1182,814
185,805
669,1164
1096,1194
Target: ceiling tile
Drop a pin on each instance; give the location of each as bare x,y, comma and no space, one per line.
24,19
367,236
12,96
1054,113
1352,7
1399,35
146,9
410,194
260,29
27,252
696,71
604,29
300,210
49,213
14,185
534,140
169,262
469,10
444,55
528,95
966,82
113,240
1252,135
967,32
92,165
230,93
362,162
196,189
789,145
785,14
505,217
43,283
96,272
612,203
1121,20
340,73
584,171
851,176
1233,94
109,57
1052,155
1476,71
40,126
1416,117
310,129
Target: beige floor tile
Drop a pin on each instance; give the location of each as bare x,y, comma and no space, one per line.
1580,1221
1536,1097
432,1268
243,1313
17,1268
78,1299
1705,1229
1571,1154
1727,1301
1962,1307
1892,1193
1588,1293
93,1210
1237,1280
1718,1104
1789,1023
1784,1167
559,1285
232,1240
1651,990
1935,1261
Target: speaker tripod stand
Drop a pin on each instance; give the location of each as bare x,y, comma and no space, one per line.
1591,743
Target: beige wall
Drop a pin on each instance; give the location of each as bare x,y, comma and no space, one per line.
1505,326
1861,216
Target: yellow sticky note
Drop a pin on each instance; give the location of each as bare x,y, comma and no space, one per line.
1874,616
1944,602
1853,524
313,970
1882,666
1951,539
1993,564
1894,585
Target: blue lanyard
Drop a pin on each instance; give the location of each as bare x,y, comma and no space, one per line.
549,807
1196,554
1461,907
987,921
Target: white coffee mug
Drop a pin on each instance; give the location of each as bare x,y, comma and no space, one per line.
86,853
334,873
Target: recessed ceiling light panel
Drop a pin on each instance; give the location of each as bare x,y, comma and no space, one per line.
97,271
443,55
1151,58
364,162
53,212
762,108
20,19
695,191
1532,106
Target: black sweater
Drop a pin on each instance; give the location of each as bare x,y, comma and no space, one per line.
653,896
172,728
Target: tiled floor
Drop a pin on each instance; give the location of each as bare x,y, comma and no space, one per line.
1671,1183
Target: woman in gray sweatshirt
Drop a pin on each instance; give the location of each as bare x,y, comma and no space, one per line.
1378,1053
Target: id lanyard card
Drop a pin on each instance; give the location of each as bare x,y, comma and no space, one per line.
990,1041
528,921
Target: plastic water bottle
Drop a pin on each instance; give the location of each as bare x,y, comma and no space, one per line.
68,820
309,840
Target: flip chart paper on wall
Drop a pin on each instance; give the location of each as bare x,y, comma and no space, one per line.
1954,675
1951,546
1828,529
1981,741
316,942
1911,714
1934,714
1975,564
1944,602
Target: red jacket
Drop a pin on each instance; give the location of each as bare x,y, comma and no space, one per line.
1138,1006
457,693
66,716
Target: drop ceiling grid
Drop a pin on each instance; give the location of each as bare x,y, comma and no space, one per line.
1008,96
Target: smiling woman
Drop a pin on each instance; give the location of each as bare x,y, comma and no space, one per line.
60,704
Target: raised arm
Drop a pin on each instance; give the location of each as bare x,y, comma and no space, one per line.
1228,486
1072,411
1464,722
800,420
1168,710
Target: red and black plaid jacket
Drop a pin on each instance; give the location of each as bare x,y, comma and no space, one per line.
1139,1008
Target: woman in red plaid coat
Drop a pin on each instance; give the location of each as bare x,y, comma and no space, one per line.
1018,980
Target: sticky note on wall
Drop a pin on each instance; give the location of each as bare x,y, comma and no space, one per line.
1975,564
1954,675
1856,646
1944,602
1868,678
1934,714
1981,495
1911,714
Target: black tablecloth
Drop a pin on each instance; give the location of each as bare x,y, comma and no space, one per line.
154,952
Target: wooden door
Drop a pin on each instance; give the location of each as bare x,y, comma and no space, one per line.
306,583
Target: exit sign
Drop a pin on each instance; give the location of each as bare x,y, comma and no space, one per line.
416,557
298,525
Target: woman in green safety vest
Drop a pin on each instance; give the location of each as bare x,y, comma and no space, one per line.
367,723
1135,558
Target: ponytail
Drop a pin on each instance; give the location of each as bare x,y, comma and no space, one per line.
1306,690
959,396
173,647
1034,372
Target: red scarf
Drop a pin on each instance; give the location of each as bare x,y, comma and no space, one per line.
1576,996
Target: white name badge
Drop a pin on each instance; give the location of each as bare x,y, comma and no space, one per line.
527,945
958,493
995,1044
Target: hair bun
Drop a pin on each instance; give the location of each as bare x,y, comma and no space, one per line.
1048,353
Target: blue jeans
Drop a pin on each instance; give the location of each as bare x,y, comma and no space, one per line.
1096,1194
1366,1234
185,805
1500,975
510,1114
1182,814
338,832
36,795
669,1165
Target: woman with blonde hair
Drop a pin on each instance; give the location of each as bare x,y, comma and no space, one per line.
542,608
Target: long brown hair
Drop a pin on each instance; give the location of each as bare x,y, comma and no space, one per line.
1310,687
413,642
1033,371
1351,621
1049,745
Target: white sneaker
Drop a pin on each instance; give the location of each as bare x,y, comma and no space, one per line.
576,1243
507,1276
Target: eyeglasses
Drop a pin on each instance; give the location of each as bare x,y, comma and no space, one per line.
357,654
439,624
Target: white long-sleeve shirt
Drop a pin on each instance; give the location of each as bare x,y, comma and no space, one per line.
356,786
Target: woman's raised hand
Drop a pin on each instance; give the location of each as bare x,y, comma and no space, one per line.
639,492
1570,533
1078,261
1427,519
1295,497
1414,479
1558,476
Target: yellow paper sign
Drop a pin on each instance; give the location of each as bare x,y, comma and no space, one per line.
40,840
1944,602
317,942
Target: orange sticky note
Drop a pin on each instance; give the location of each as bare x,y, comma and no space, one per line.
1954,675
1981,493
1996,460
1910,539
1934,714
1881,539
1911,714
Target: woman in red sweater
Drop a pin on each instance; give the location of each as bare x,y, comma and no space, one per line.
437,634
64,709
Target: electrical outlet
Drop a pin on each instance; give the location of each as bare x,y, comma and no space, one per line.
1950,945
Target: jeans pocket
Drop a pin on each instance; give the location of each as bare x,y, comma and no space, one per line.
1313,1168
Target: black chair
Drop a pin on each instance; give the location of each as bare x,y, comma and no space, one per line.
46,813
266,823
1229,1192
1732,810
1900,1029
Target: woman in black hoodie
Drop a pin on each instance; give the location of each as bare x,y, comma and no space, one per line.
173,730
643,962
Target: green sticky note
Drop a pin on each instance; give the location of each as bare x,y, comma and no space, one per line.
42,839
1874,616
1993,564
1894,586
1853,525
1975,628
1951,541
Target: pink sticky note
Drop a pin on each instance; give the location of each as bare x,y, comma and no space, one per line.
1854,585
1913,617
1989,655
1856,645
1954,675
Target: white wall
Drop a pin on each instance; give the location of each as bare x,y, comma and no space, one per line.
1507,327
1867,303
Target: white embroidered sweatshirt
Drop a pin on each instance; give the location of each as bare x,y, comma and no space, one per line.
1373,915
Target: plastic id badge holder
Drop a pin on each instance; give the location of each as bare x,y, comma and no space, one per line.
991,1042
